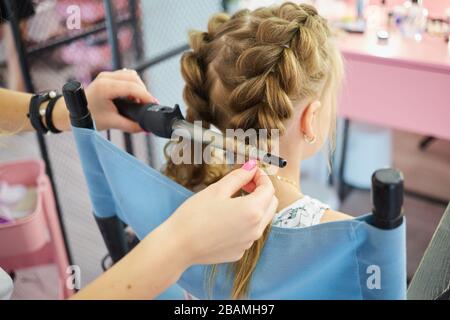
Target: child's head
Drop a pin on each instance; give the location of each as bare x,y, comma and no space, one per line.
272,68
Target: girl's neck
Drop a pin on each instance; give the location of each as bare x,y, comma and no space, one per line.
287,192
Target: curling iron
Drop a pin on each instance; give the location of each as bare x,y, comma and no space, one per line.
162,121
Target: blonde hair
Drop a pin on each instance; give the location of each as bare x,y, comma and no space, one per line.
245,72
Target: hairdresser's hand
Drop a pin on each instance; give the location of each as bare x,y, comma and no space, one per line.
108,86
100,93
212,227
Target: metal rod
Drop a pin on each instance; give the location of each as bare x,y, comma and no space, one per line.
25,70
342,185
137,31
111,27
225,6
139,54
158,59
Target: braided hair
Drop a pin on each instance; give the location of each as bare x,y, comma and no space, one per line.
245,72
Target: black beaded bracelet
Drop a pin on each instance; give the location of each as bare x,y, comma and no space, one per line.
49,113
34,110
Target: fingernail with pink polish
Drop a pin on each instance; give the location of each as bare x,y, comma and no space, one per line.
157,101
249,165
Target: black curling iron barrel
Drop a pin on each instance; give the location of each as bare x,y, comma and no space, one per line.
163,121
387,198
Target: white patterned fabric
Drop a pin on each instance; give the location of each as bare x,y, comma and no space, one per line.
6,285
304,212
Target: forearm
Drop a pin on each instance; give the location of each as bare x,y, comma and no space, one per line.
14,109
151,267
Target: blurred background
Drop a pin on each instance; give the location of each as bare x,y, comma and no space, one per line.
394,108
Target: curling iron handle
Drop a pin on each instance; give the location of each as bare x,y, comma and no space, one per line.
129,109
151,117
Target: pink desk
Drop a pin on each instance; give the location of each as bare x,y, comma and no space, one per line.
403,84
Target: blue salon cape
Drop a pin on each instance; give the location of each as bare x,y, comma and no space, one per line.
338,260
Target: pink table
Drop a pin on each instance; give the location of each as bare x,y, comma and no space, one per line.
403,84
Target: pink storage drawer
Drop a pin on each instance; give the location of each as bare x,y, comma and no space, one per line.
31,233
37,239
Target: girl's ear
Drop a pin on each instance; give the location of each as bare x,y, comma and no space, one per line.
307,120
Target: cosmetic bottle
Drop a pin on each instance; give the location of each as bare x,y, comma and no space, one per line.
415,20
